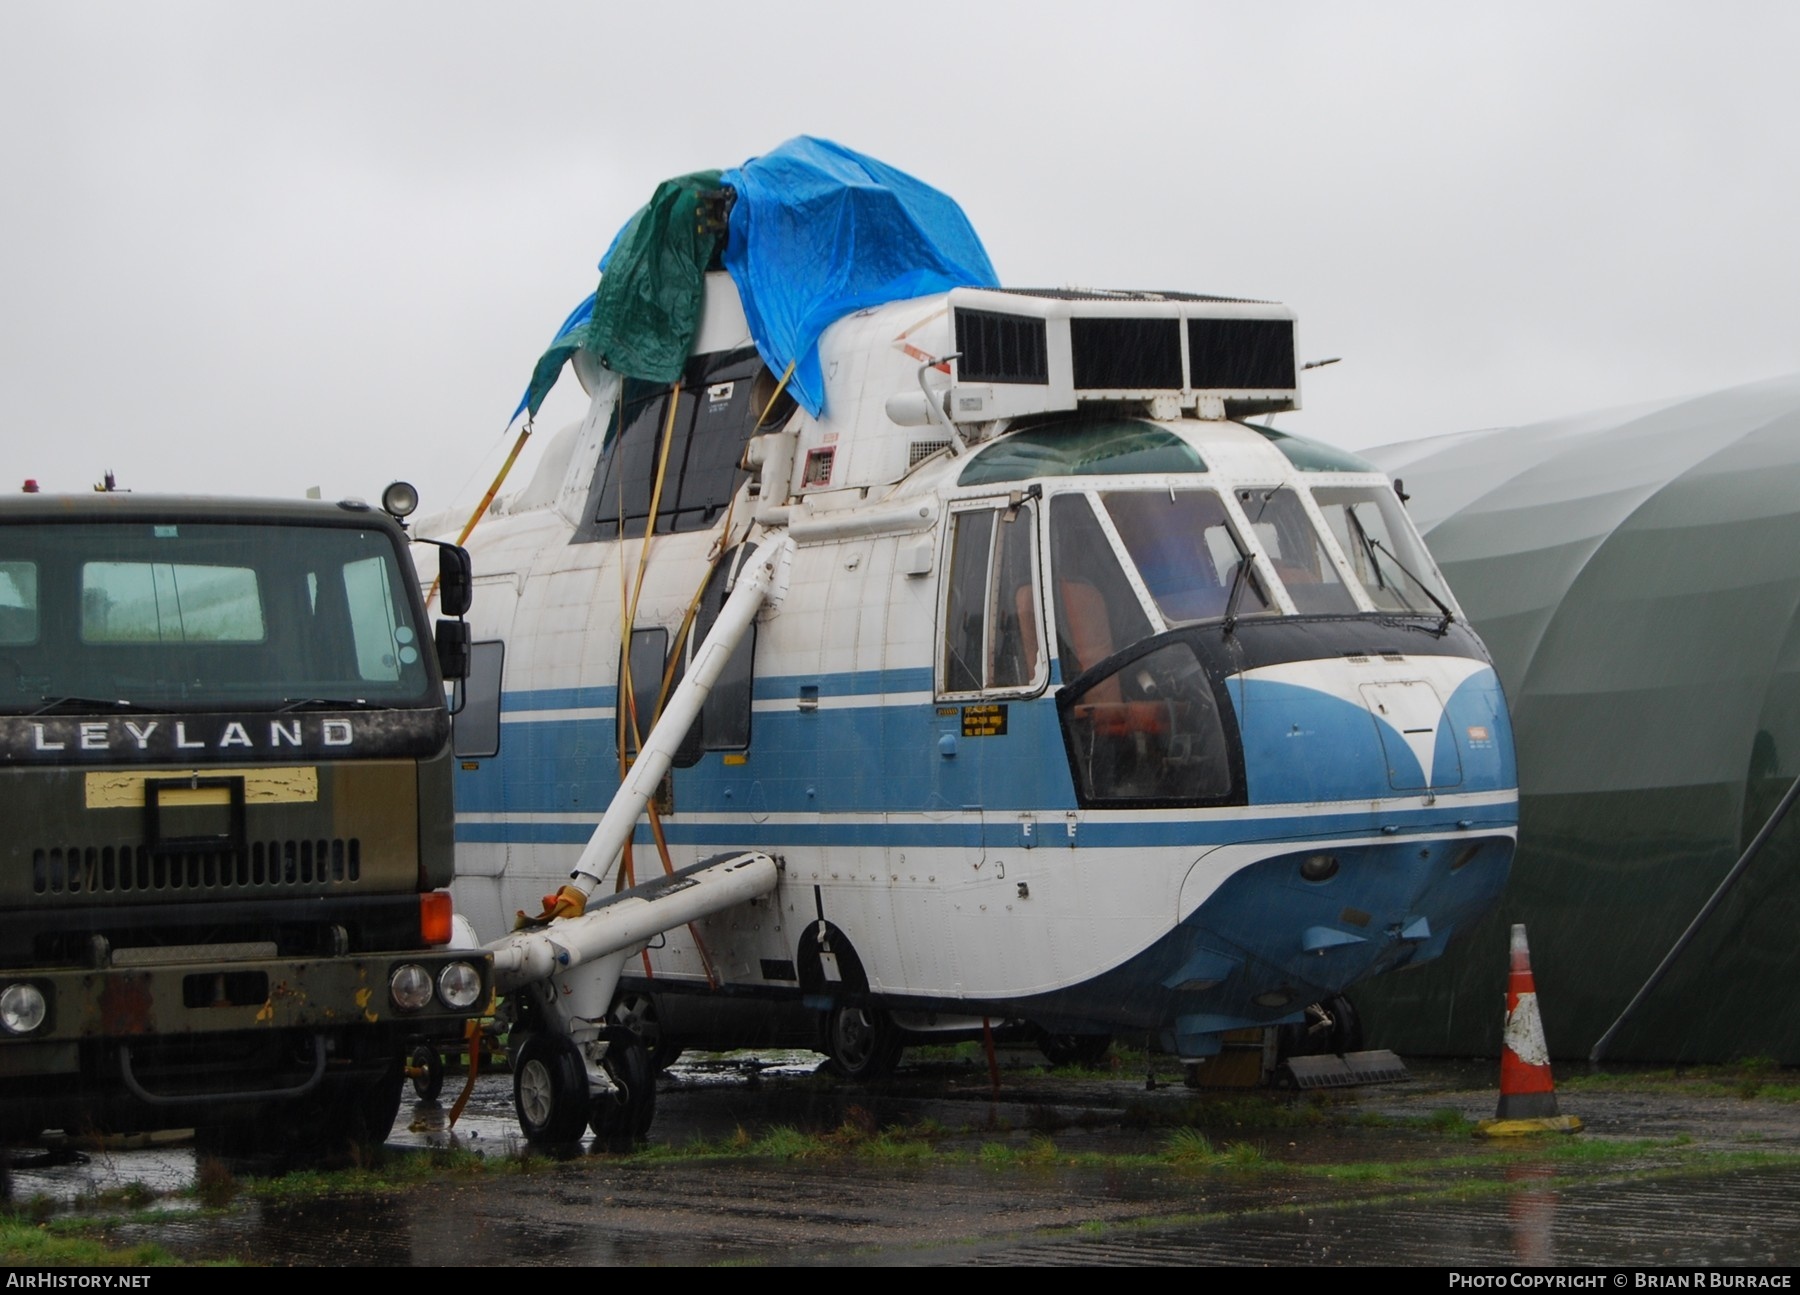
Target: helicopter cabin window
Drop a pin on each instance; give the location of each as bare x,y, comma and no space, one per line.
1185,551
475,734
1384,551
724,721
641,686
718,404
1097,612
1300,560
992,624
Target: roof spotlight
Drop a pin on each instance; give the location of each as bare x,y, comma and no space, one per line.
400,499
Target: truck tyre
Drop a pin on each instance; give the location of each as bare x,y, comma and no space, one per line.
550,1090
621,1115
373,1105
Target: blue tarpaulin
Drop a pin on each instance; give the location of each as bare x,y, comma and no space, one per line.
817,231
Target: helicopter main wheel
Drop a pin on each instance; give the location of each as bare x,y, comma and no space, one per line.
550,1090
861,1042
621,1115
427,1069
637,1013
1331,1027
1084,1050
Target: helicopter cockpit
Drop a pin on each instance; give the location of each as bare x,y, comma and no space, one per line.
1135,595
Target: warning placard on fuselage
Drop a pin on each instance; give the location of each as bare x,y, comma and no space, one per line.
984,721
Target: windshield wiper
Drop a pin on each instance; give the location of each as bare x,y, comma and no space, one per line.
1443,625
79,704
323,703
1237,587
1368,547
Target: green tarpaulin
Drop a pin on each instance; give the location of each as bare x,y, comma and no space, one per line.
647,307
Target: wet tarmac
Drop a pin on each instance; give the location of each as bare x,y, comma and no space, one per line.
1062,1168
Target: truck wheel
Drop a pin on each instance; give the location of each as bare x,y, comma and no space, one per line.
621,1115
550,1090
862,1042
372,1106
326,1126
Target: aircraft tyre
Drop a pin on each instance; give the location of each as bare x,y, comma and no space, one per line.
1085,1050
1332,1027
550,1090
621,1115
861,1042
637,1013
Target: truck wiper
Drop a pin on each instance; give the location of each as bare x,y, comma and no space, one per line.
77,705
323,703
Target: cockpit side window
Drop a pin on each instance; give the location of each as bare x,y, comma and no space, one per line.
992,627
1300,560
1185,551
1097,611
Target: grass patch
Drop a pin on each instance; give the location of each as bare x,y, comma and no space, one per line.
1749,1078
1448,1120
1190,1148
1243,1156
214,1185
24,1243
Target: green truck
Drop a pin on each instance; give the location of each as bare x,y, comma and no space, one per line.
225,785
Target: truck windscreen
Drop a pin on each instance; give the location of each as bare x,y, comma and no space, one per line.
173,616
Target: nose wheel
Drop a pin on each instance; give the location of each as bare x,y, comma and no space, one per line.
550,1090
621,1115
553,1100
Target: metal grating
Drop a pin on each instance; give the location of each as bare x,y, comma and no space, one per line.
1001,348
919,451
1126,354
1241,354
128,869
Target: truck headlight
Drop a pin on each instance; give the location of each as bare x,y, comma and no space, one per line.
459,985
410,987
22,1008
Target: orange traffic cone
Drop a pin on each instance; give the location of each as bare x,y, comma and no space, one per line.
1527,1093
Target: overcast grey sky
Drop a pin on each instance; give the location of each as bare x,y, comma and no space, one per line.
258,247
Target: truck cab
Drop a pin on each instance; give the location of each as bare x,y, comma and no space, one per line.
225,775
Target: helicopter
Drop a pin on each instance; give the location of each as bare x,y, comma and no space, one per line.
1068,696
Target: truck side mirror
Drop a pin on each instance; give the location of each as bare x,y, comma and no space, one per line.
453,645
456,582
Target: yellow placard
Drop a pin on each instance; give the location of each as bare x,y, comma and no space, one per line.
124,789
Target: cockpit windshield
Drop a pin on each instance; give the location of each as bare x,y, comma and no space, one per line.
1382,547
1185,550
128,615
1301,563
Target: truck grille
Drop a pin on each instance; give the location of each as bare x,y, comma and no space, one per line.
127,869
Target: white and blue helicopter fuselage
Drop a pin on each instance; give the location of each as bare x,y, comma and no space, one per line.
1093,709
